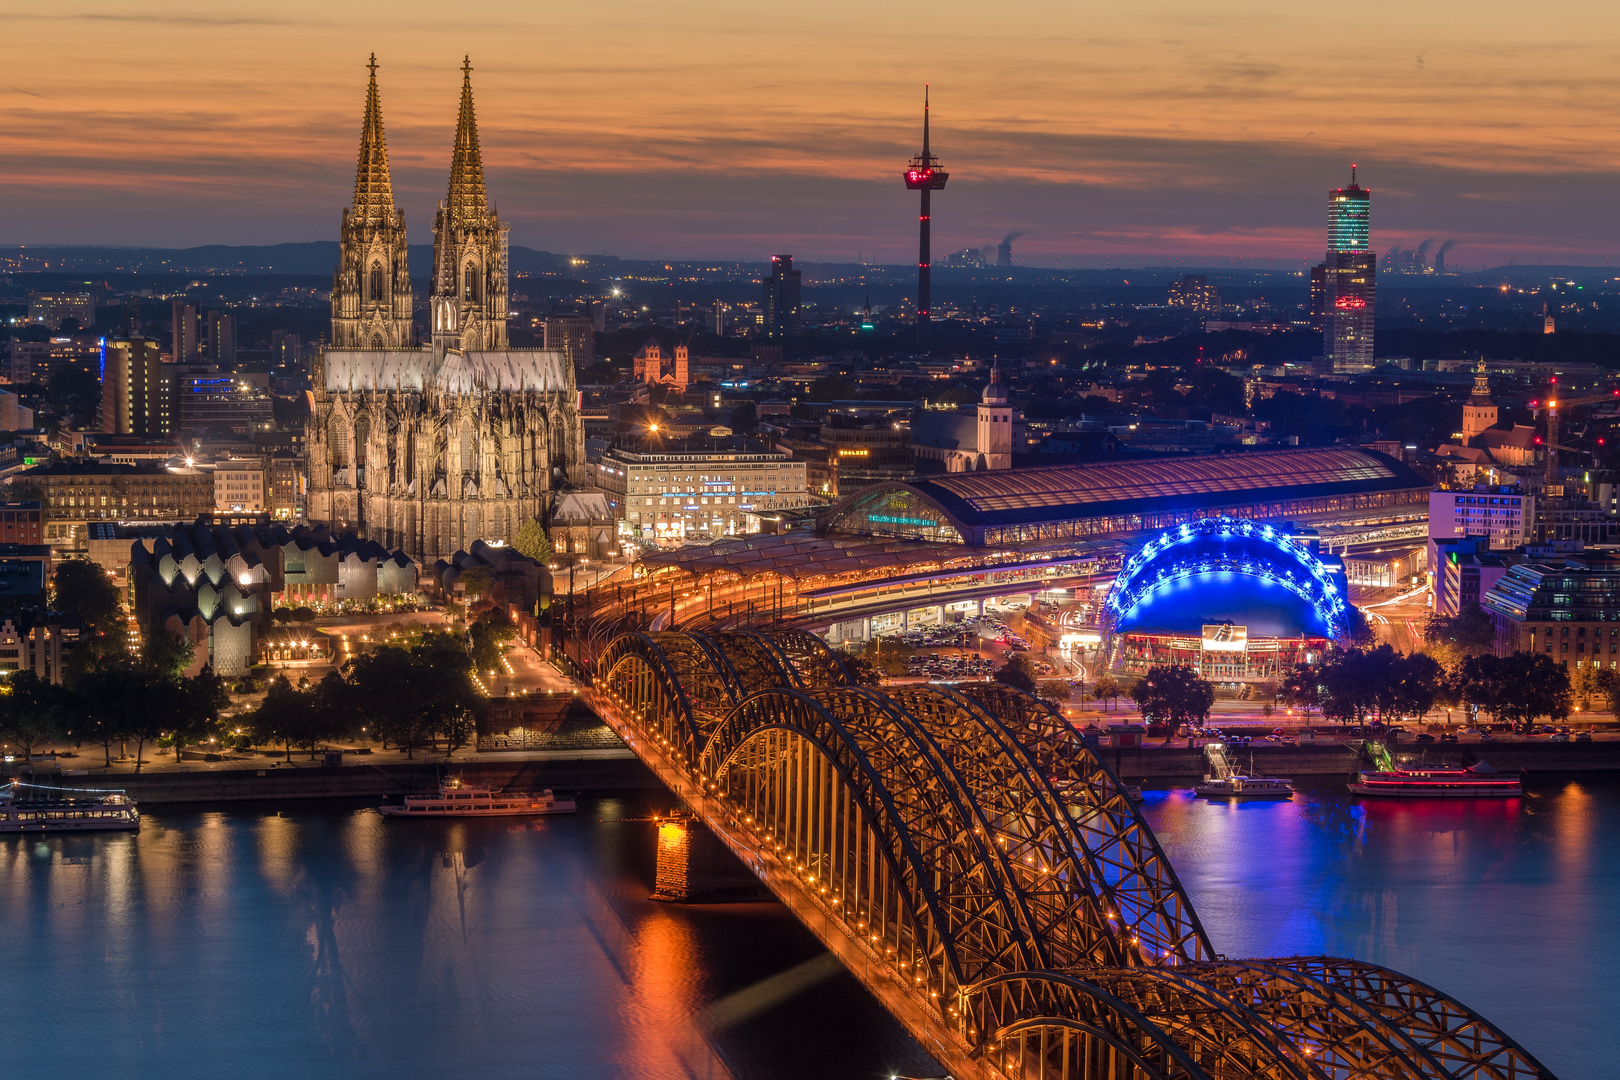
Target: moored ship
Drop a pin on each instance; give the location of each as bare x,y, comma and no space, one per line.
39,808
1225,782
459,799
1475,782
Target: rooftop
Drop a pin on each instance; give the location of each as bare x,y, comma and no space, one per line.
1043,494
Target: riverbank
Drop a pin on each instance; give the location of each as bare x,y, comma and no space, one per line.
1282,759
576,771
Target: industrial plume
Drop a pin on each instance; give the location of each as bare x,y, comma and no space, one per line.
1004,249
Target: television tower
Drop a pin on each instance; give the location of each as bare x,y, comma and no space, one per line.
924,175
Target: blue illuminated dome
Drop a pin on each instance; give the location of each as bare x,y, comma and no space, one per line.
1225,570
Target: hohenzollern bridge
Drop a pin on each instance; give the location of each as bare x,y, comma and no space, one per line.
981,871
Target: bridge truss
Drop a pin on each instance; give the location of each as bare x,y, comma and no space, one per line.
982,872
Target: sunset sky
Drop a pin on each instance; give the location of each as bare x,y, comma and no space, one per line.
1117,134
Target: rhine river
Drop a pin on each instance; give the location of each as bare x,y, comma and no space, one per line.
325,941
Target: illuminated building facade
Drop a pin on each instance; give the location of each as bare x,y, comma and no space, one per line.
1349,279
1237,600
432,448
677,492
1569,612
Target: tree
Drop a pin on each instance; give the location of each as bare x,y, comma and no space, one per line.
31,711
475,582
1303,689
744,418
1106,689
1451,639
169,653
1054,691
1170,695
531,540
489,636
80,585
1019,671
863,671
1519,688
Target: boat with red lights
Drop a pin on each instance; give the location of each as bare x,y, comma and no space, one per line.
1478,781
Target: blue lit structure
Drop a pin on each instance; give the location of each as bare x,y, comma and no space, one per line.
1239,599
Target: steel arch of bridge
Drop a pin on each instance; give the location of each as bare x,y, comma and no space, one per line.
981,870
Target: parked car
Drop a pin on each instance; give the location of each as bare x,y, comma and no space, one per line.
1583,736
1423,737
1559,736
1448,737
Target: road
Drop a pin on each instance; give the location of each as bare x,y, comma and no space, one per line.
1396,617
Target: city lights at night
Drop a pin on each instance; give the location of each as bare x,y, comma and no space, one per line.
575,597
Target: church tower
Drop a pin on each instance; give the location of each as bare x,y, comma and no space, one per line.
468,294
371,287
1479,412
995,428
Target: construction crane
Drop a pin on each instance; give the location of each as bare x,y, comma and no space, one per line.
1551,407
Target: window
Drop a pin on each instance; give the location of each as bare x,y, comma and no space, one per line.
376,291
469,289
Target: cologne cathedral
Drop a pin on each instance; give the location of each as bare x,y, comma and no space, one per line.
429,447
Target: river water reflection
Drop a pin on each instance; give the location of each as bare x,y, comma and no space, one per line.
327,941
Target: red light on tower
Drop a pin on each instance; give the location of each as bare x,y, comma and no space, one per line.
924,175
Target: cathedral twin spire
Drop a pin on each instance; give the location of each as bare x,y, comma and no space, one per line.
371,289
373,188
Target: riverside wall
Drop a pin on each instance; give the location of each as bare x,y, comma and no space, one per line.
1340,760
599,771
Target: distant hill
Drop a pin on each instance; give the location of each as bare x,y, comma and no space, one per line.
314,258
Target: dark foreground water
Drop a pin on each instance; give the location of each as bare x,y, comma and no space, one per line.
327,941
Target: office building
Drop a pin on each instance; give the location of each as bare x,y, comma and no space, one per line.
185,348
37,361
14,416
574,335
75,493
54,309
134,397
1568,612
32,639
1195,292
781,298
285,487
285,349
1502,517
222,339
1350,279
22,523
214,404
240,486
693,490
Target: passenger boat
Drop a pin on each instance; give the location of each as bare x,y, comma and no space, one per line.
65,809
1475,782
1225,782
459,799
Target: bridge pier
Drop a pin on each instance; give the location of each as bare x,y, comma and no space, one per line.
696,868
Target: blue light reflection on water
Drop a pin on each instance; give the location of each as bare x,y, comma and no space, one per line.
1511,905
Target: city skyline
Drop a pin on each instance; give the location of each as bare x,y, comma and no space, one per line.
1110,137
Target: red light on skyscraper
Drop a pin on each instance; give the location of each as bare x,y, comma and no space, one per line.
1349,302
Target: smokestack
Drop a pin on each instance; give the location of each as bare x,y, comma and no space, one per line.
1440,256
1004,249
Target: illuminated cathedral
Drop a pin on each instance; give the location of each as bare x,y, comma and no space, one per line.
431,446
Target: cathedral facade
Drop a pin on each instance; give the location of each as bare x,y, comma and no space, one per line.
431,446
